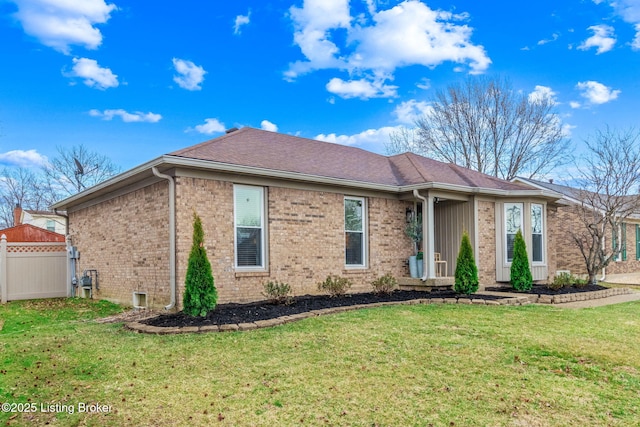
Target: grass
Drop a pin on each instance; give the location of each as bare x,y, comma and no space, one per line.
406,365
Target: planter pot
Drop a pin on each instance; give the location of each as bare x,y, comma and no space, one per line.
413,266
420,265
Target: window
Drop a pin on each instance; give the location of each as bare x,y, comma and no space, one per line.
51,225
537,233
513,223
354,231
622,232
249,226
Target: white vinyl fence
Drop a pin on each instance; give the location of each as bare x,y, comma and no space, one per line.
32,270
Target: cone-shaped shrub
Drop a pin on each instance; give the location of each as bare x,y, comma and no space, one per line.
200,295
521,278
466,277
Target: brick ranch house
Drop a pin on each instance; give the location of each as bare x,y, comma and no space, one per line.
568,255
273,207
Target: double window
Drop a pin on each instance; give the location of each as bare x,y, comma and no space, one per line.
515,214
513,223
537,236
249,226
355,219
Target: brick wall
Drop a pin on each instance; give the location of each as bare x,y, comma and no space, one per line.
126,240
486,243
305,238
568,255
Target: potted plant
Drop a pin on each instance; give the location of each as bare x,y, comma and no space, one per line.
413,230
420,263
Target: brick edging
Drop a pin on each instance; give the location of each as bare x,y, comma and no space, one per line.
519,300
582,296
148,329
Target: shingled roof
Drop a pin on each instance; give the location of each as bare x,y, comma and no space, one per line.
279,152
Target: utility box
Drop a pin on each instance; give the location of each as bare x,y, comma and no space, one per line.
85,282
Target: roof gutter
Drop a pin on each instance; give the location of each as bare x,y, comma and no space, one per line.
172,235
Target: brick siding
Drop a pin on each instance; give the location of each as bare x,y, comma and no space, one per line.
486,243
126,240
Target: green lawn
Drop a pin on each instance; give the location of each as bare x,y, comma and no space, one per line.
440,365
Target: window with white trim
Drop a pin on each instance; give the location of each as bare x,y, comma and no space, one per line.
513,222
355,231
537,233
249,218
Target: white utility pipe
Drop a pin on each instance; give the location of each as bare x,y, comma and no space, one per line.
172,235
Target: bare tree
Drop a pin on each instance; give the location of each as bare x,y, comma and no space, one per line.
485,125
77,168
23,187
609,183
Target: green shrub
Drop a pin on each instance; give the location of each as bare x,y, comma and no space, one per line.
580,283
335,285
521,278
560,281
466,275
278,292
384,285
200,294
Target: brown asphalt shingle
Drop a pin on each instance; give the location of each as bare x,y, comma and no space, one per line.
280,152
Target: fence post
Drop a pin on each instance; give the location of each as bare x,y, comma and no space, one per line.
3,269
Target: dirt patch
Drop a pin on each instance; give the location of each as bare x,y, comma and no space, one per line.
128,316
225,314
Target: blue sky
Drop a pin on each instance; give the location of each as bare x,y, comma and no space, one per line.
137,79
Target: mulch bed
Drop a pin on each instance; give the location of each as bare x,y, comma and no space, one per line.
225,314
544,290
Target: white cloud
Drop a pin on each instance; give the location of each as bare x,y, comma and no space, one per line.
542,93
93,75
210,127
267,125
553,38
603,39
409,111
575,104
190,75
362,88
61,23
408,34
240,21
127,117
23,158
597,93
373,139
567,130
635,44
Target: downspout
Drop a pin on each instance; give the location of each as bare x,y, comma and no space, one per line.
172,235
604,269
425,235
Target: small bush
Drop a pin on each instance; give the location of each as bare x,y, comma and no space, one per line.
384,285
466,275
335,285
200,294
521,278
560,281
580,283
278,292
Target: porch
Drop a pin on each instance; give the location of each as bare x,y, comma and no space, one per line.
428,285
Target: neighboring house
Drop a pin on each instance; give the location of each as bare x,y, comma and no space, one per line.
44,219
30,233
280,207
567,253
